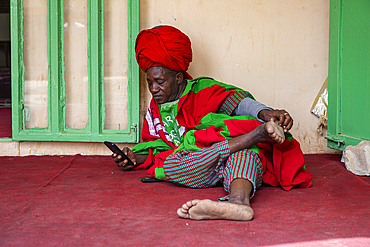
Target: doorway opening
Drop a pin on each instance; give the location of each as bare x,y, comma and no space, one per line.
5,74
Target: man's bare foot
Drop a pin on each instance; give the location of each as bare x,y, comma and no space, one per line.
275,131
263,132
211,210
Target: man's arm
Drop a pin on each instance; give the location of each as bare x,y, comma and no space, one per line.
250,107
263,113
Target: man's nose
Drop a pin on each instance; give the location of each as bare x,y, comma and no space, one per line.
154,88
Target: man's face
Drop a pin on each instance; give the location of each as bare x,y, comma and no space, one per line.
162,84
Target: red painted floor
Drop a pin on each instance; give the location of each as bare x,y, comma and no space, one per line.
88,201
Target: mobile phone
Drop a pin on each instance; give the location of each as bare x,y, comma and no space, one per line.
150,179
118,151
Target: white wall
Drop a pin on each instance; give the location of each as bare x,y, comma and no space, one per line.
277,50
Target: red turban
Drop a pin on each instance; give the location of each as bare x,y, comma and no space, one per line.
164,46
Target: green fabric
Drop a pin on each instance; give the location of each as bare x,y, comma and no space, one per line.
193,85
157,145
289,136
227,96
168,115
169,110
211,119
217,120
159,173
206,82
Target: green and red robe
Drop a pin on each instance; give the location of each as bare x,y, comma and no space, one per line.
204,111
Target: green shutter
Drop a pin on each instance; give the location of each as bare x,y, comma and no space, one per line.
56,129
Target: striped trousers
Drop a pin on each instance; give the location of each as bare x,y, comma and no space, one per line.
208,166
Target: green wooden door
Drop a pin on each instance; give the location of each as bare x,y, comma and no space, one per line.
349,73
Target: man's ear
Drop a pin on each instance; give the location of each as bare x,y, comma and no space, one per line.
179,78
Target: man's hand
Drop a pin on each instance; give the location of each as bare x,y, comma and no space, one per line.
123,163
285,120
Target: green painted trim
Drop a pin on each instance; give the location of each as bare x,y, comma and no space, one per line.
340,142
101,108
334,73
17,69
56,92
56,130
335,142
6,139
133,69
77,137
95,62
61,96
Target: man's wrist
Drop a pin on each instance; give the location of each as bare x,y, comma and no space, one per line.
140,158
262,114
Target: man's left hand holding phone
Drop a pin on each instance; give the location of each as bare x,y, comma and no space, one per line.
125,158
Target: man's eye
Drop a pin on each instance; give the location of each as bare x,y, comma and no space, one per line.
160,82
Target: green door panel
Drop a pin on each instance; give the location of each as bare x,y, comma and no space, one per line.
349,73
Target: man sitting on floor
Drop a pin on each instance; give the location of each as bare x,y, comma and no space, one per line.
198,132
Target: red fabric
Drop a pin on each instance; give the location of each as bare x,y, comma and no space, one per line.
164,46
205,101
204,138
283,163
191,109
152,160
